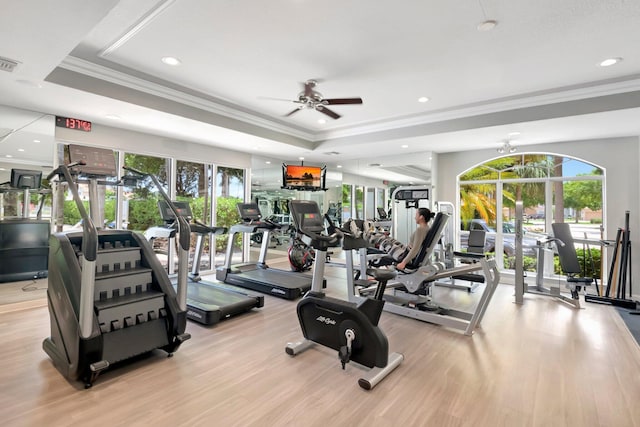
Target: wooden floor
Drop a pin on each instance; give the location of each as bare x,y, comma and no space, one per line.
539,364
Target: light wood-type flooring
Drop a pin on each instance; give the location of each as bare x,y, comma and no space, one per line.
542,363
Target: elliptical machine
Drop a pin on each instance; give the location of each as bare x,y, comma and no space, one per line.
351,329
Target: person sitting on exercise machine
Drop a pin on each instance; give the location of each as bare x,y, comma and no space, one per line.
423,216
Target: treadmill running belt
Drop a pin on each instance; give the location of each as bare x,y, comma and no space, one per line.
272,281
208,304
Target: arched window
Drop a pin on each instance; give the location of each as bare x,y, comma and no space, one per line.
552,188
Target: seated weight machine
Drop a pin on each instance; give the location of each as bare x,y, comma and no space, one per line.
563,242
410,294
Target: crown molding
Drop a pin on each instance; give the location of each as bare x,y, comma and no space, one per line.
570,93
110,75
553,96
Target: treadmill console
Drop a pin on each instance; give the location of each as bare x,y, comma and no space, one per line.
184,210
249,212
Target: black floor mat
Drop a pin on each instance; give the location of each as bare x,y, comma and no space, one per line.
631,320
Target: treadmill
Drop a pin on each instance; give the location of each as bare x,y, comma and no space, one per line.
207,302
259,276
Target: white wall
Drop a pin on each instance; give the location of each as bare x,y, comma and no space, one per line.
348,178
619,157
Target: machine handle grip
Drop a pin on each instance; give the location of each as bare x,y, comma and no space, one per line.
137,172
322,238
89,232
214,230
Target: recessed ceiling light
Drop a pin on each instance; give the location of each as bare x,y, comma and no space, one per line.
2,169
610,61
513,134
36,141
112,116
300,158
423,99
322,121
8,155
339,166
487,25
21,149
170,60
404,146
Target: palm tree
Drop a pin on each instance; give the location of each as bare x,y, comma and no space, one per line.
479,199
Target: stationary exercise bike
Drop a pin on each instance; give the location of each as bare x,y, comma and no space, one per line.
351,329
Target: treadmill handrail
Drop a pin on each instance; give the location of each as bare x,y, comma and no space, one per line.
211,228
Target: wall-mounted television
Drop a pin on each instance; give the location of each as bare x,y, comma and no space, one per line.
304,178
26,179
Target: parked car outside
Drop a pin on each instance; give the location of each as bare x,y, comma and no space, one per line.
508,238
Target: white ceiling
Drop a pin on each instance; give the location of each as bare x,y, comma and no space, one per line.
244,62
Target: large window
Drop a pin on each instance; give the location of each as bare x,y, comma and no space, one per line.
229,192
359,201
192,186
551,188
140,202
347,190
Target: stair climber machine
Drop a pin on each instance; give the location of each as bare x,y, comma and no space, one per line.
349,328
259,276
109,297
207,302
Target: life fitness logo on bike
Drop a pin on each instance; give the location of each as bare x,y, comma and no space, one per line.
326,320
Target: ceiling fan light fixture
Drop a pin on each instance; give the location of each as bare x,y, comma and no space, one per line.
313,100
506,147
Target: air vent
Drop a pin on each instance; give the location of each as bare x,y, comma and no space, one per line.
7,64
374,165
332,153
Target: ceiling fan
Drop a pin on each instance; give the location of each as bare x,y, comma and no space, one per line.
313,100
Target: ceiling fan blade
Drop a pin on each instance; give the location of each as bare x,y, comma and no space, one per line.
292,112
328,112
336,101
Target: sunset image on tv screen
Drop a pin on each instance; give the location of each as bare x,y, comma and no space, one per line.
303,176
